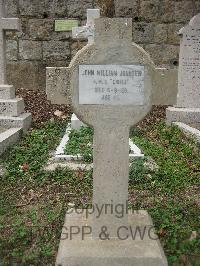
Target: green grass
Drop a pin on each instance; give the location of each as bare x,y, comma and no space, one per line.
80,143
173,189
33,202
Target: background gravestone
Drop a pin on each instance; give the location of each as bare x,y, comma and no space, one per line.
12,113
110,72
188,100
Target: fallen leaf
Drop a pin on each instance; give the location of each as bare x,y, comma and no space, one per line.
193,235
58,113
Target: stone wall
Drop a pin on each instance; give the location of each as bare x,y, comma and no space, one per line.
155,24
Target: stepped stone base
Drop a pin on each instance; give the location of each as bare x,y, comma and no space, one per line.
8,138
11,107
185,115
90,252
22,121
7,92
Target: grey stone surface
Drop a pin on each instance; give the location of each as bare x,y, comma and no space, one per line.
30,50
5,24
173,36
31,8
189,77
166,11
195,125
11,7
8,138
76,123
57,85
188,97
89,252
22,121
185,115
149,9
7,92
184,10
163,53
165,86
40,29
143,32
11,107
56,50
127,8
17,73
77,9
12,50
161,32
191,131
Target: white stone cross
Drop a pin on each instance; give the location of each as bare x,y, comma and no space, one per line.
87,32
109,111
5,24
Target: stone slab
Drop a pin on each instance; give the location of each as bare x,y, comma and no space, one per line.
185,115
57,85
7,92
195,125
8,138
76,123
165,86
12,107
111,84
89,252
189,65
22,121
189,130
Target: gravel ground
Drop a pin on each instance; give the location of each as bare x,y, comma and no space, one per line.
42,110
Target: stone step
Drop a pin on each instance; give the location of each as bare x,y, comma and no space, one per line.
9,137
11,107
7,92
23,121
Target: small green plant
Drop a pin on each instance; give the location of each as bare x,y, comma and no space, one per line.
81,142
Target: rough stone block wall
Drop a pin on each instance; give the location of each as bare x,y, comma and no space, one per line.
155,27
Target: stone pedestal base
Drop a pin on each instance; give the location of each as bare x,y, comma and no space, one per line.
185,115
141,248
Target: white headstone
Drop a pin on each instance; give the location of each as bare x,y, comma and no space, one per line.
187,109
5,24
189,65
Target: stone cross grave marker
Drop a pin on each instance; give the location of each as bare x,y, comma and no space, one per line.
87,32
5,24
187,108
111,89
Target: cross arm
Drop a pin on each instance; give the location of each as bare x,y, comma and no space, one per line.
10,24
82,32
